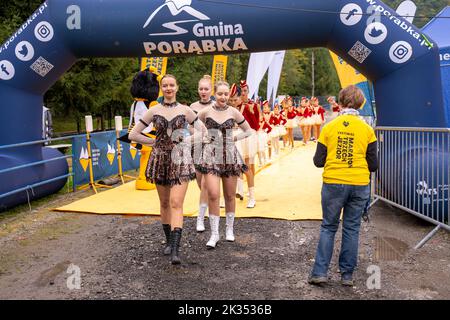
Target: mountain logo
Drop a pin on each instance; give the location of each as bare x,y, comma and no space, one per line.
111,155
84,159
375,33
133,152
176,7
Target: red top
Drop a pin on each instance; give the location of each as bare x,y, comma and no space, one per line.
252,118
265,123
266,127
336,108
321,111
308,112
267,116
276,120
291,114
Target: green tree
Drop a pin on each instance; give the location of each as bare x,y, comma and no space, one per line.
426,9
293,75
188,71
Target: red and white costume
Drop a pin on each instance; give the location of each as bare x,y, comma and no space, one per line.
266,127
319,115
306,116
335,108
291,116
278,122
249,145
270,128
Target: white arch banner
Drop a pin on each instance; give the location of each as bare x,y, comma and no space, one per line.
257,66
274,75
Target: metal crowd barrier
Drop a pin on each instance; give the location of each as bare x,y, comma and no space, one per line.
30,187
414,173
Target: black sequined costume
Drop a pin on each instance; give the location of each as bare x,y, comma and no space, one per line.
221,157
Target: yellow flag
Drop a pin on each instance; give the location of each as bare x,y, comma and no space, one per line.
159,63
347,74
219,70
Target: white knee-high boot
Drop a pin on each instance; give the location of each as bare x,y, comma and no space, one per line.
251,199
240,189
214,223
201,216
229,230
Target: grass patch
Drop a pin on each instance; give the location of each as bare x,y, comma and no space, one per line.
24,209
35,204
63,125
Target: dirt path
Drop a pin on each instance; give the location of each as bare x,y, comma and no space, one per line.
120,258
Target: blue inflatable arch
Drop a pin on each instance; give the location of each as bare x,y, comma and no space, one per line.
389,51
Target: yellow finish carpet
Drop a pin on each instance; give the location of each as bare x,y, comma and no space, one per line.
288,188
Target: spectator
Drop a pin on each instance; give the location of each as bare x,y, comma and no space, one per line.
347,148
47,124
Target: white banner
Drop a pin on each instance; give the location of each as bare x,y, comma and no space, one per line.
274,75
257,67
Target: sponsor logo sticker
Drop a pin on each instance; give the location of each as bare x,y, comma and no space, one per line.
24,51
44,31
375,33
400,52
351,14
7,70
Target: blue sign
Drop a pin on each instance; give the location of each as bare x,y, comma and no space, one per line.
105,154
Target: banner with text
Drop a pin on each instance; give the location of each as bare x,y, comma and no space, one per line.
159,63
219,70
348,76
273,80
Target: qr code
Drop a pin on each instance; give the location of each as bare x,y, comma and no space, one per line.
359,52
42,67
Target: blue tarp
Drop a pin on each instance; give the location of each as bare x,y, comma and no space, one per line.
439,30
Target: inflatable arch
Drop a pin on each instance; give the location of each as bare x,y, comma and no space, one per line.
389,51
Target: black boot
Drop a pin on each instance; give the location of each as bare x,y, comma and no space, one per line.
167,249
176,237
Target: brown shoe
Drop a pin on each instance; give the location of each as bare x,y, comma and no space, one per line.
317,280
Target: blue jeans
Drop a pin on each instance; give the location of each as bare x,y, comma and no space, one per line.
336,197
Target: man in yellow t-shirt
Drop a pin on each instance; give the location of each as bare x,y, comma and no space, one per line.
347,149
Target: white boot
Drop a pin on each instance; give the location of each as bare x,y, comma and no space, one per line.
201,217
214,222
229,230
240,189
251,198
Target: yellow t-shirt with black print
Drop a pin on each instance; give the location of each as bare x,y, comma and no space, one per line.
346,139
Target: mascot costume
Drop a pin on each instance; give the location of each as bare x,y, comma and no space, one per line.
145,91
